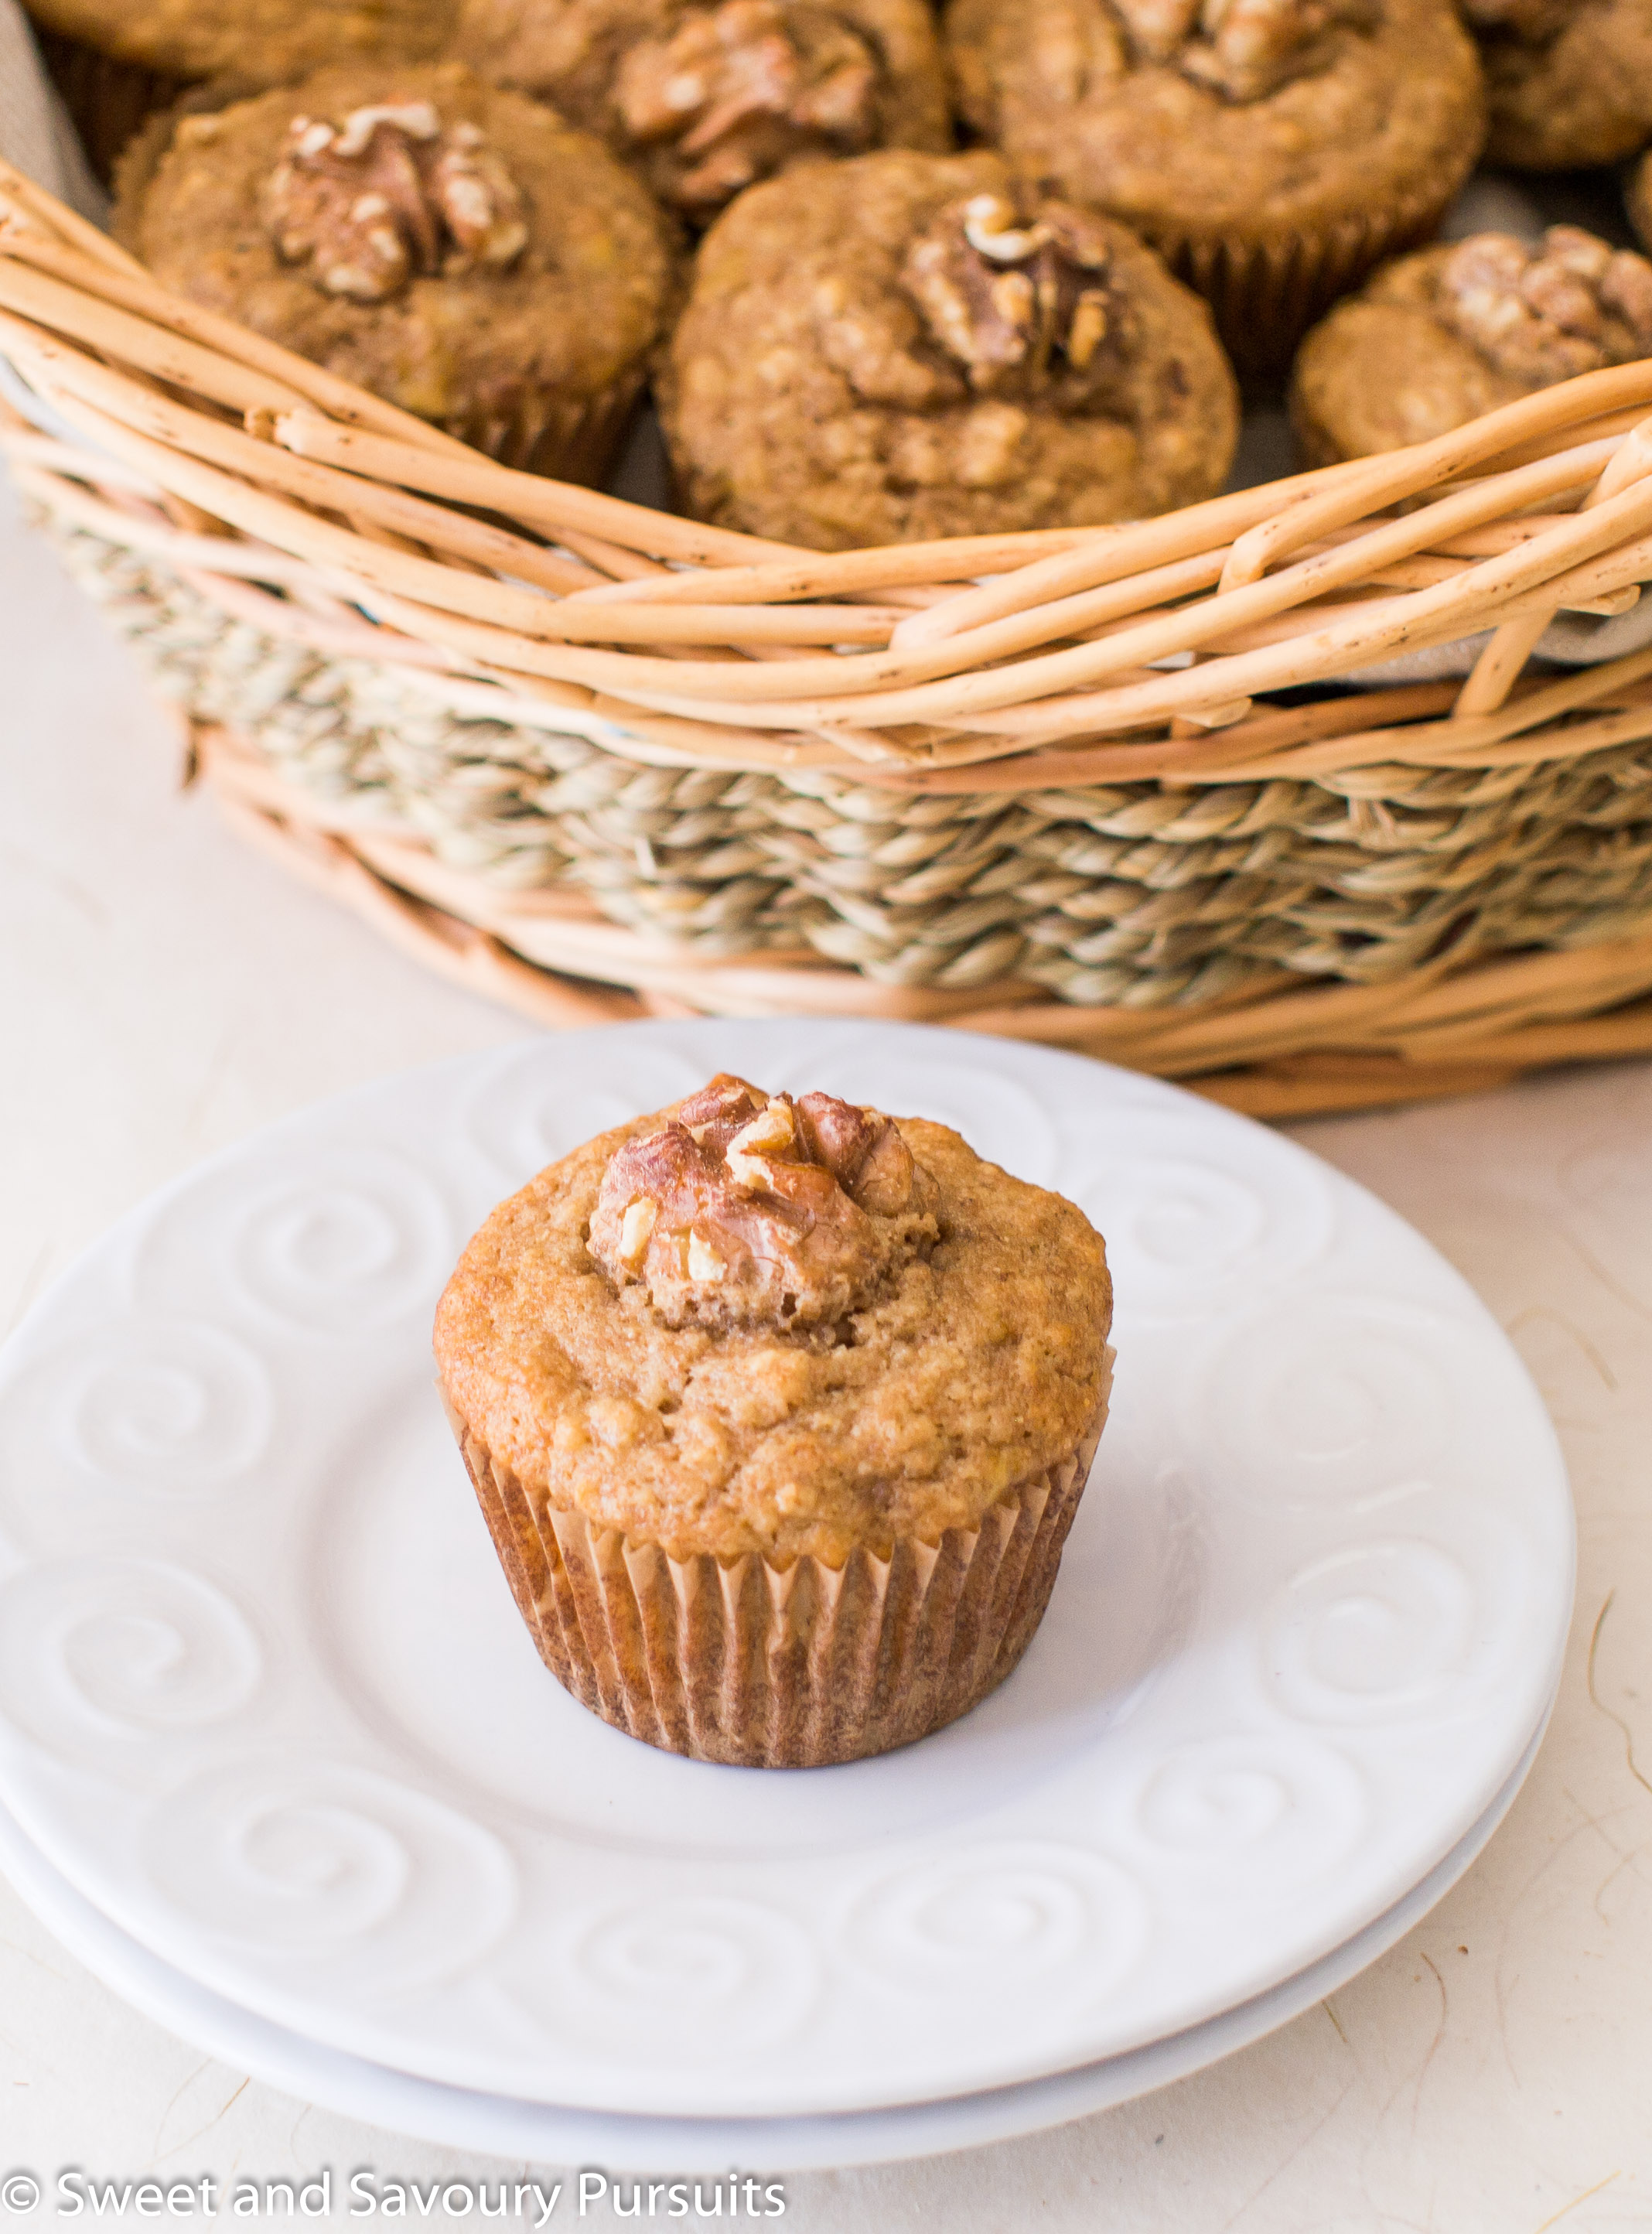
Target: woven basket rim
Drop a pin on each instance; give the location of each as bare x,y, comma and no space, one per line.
1157,652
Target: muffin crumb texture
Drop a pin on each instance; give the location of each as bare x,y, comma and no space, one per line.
879,1335
905,346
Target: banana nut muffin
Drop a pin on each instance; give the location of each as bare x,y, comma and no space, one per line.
456,249
779,1411
1569,81
1272,150
905,346
1451,333
705,96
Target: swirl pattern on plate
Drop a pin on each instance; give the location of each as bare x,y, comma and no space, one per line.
169,1407
1196,1220
1014,1918
1377,1633
99,1655
696,1969
1268,1810
292,1859
1333,1398
328,1241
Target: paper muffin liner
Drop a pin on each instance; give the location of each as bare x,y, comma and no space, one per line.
1265,295
108,101
567,438
798,1667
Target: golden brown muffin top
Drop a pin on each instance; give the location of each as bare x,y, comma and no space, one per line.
446,245
1571,81
1440,338
706,96
259,42
1253,118
966,1360
910,345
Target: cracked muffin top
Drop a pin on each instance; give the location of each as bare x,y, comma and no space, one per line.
752,1322
1252,118
260,42
1569,81
1441,336
704,97
906,346
456,249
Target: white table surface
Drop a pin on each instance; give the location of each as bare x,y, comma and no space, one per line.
162,992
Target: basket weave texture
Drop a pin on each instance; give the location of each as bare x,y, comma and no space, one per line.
1104,787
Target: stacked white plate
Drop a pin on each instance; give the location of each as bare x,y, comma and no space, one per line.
278,1758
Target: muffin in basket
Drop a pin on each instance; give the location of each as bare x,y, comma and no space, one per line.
779,1411
456,249
905,346
705,96
1569,81
1451,333
117,63
1273,151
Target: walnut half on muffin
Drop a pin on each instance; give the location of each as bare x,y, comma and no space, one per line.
455,249
703,97
1443,336
778,1410
906,346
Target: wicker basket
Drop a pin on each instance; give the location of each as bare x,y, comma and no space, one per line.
1106,788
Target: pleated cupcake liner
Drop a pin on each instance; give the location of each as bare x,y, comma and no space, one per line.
797,1666
108,101
1265,295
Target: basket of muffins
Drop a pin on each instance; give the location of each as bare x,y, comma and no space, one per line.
1122,523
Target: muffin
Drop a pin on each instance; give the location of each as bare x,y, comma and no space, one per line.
117,63
778,1412
905,346
1273,151
1569,81
706,96
1449,333
455,249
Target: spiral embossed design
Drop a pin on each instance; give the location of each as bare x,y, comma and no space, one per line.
1008,1917
1196,1218
1333,1398
1267,1809
694,1968
1374,1634
299,1858
532,1106
103,1648
351,1244
169,1406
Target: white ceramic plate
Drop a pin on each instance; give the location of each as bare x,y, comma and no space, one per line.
264,1701
544,2134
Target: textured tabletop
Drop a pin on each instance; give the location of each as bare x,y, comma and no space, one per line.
163,992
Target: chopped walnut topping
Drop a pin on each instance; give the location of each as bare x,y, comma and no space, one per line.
1242,49
390,193
1012,299
1545,314
743,87
744,1209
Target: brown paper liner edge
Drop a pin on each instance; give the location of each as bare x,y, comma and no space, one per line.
800,1667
